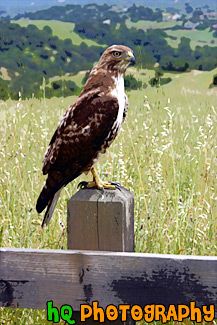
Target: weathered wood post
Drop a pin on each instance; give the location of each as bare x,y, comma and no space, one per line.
103,221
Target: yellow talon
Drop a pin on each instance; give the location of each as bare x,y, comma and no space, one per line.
97,182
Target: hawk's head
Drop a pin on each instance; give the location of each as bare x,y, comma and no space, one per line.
117,57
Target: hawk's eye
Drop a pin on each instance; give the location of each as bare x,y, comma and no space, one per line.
116,54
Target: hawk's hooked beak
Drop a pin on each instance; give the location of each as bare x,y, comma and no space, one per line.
131,59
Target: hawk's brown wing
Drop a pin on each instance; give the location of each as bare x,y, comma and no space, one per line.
78,138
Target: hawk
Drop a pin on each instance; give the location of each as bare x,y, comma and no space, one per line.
87,128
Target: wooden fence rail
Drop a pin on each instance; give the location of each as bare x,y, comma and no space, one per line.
29,278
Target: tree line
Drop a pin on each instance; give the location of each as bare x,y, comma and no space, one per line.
93,12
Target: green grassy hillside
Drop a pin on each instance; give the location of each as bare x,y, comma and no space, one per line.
146,24
189,82
194,82
197,37
60,29
29,55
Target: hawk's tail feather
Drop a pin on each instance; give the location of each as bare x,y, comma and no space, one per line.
51,192
53,183
50,208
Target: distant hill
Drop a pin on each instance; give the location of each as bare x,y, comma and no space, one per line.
191,18
93,12
14,7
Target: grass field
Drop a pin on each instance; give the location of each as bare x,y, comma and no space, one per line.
147,24
165,155
197,37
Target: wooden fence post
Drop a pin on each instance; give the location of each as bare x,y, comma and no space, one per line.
103,221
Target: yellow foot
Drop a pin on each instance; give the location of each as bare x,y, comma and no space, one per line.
101,185
98,183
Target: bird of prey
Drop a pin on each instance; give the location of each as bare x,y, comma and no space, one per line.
87,128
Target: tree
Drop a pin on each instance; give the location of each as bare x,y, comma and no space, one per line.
188,8
132,83
215,80
158,79
48,30
4,94
184,49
